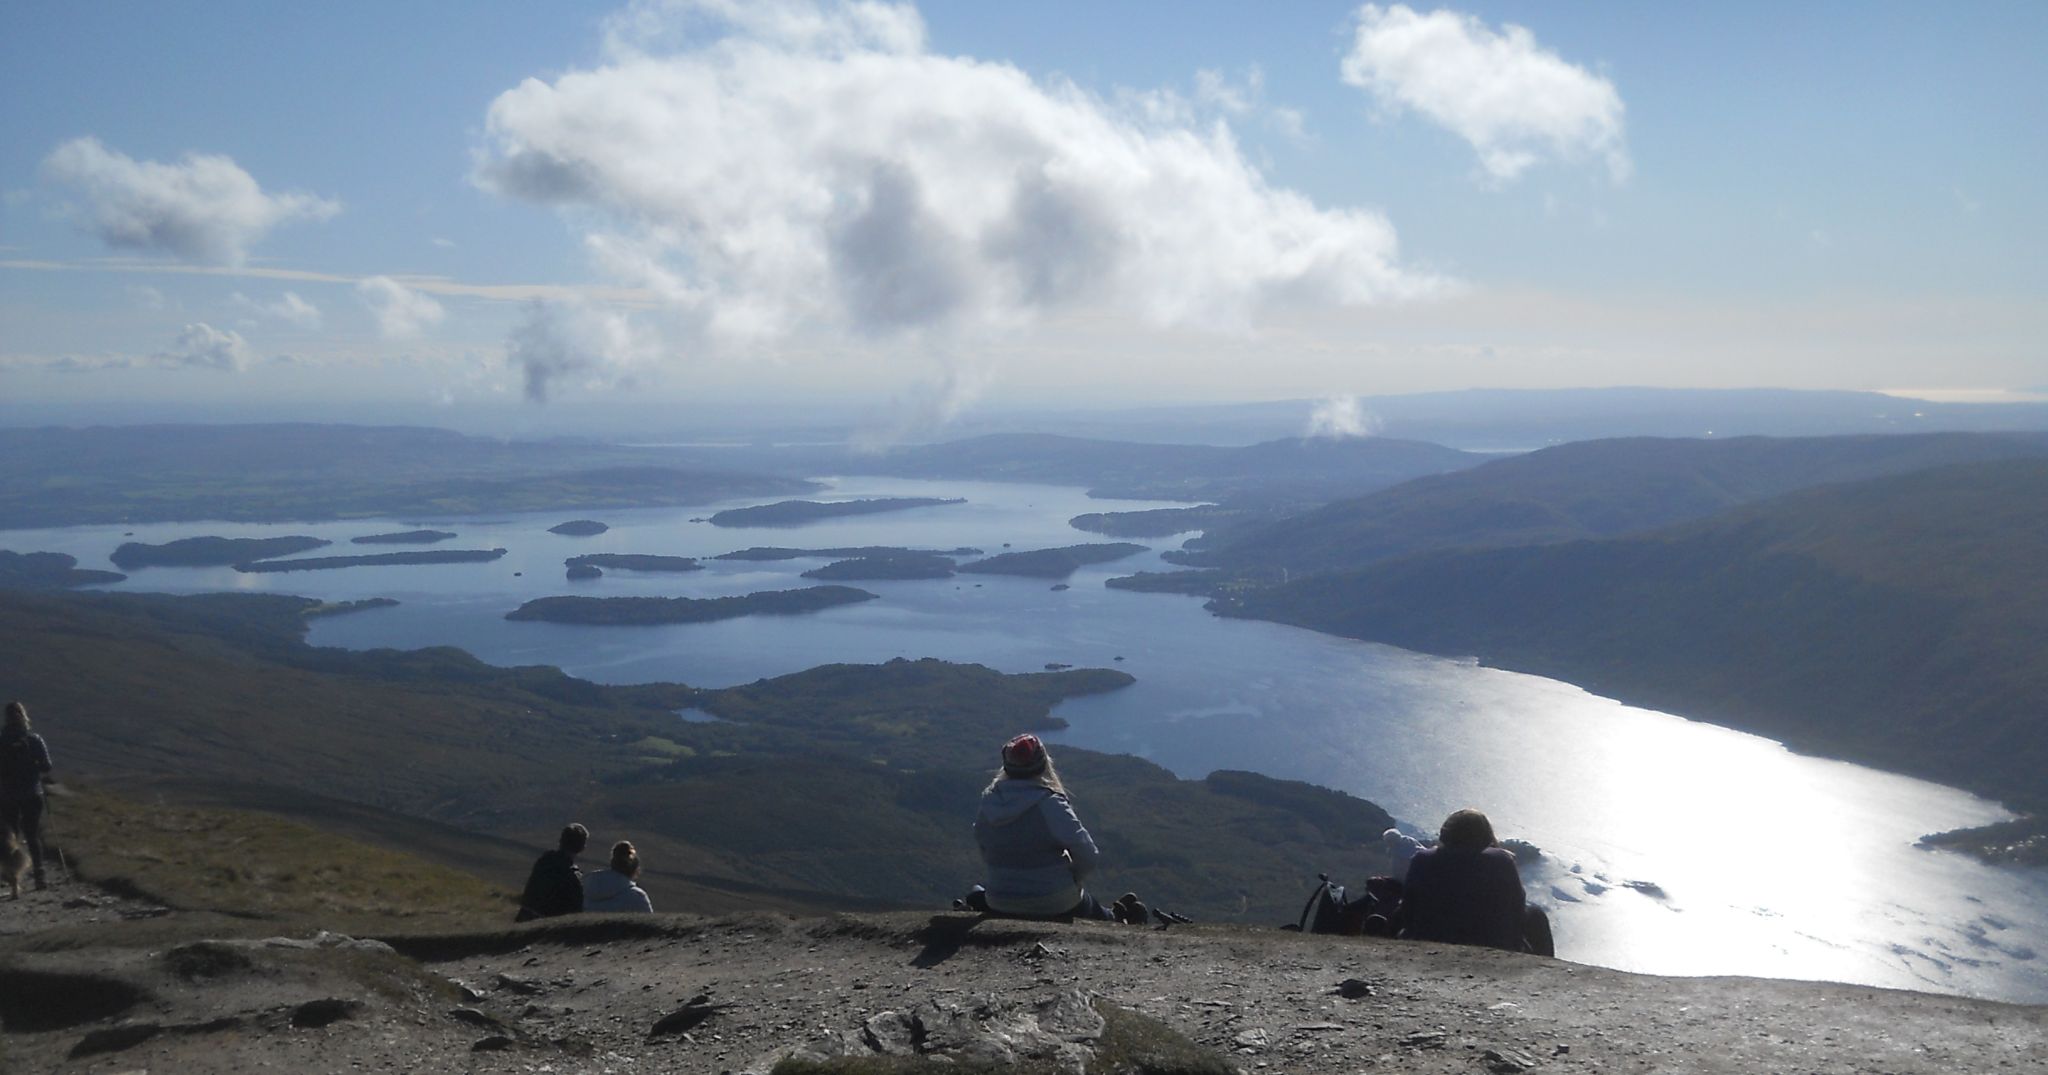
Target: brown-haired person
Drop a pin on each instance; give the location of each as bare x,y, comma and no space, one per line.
616,889
555,885
24,765
1468,890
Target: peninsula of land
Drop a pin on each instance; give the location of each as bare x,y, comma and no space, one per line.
48,571
770,552
1051,563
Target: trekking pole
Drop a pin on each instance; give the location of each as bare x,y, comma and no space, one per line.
48,843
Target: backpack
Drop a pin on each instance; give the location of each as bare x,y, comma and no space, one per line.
1327,911
19,773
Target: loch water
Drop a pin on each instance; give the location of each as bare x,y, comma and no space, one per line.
1669,845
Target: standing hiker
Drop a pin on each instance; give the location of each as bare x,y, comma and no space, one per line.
24,765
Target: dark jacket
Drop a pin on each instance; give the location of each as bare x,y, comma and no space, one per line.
555,887
24,762
1462,896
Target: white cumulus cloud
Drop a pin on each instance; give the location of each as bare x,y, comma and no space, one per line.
1515,101
203,208
782,168
402,313
202,346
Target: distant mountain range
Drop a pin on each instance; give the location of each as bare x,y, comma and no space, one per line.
1507,419
1312,469
263,473
1587,490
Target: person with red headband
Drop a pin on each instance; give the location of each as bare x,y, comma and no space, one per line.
1036,850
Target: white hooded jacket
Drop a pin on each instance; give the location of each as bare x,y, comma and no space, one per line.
609,890
1036,850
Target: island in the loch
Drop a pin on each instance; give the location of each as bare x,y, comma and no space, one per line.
642,611
381,559
1051,563
336,608
771,552
578,572
909,566
210,551
48,571
404,537
579,528
799,512
626,561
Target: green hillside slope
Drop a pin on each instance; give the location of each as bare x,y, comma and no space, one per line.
1901,621
844,786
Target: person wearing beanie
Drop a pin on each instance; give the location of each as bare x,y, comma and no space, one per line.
1037,852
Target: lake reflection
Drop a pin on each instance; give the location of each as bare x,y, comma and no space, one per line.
1671,846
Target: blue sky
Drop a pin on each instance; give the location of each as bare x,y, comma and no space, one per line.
985,205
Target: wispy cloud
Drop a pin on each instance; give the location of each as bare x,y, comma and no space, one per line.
402,313
1515,101
776,169
288,307
433,285
204,208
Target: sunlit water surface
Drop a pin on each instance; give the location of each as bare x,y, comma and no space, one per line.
1670,846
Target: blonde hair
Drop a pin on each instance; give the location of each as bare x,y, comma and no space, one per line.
625,859
1047,778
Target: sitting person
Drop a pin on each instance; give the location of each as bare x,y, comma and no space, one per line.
1400,846
1036,850
616,889
1466,890
555,886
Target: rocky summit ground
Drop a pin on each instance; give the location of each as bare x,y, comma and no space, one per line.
94,981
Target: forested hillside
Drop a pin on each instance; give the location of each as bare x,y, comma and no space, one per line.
1588,490
1901,621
